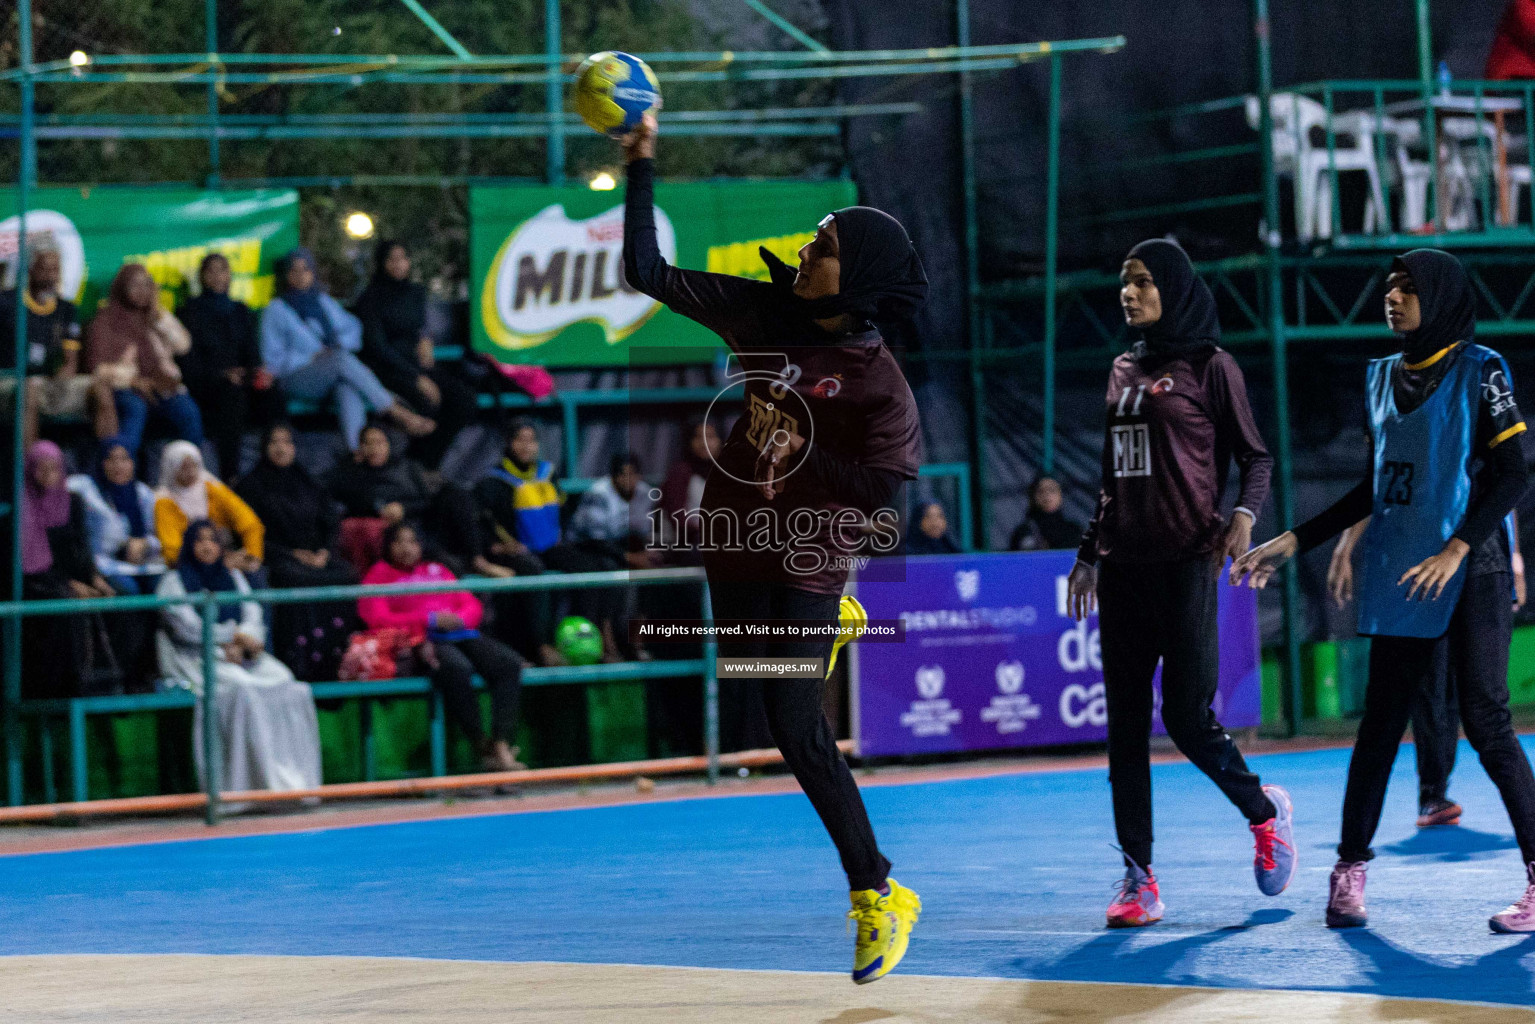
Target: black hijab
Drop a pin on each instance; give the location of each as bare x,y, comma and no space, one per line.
288,501
1445,298
882,276
1189,322
213,576
397,307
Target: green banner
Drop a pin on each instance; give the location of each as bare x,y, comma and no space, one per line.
547,282
97,230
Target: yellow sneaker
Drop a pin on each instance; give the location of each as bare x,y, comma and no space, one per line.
852,620
884,925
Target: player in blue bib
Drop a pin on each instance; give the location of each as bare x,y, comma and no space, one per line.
1434,580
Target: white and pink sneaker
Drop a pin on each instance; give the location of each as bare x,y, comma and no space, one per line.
1520,917
1138,901
1345,897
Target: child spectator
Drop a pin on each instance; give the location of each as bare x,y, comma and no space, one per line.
444,630
269,735
309,342
223,368
131,348
396,347
1045,527
189,493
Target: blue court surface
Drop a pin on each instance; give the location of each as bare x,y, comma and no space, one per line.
1015,872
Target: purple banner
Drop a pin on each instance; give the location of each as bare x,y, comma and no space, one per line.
992,660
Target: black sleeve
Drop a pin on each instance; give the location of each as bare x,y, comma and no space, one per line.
1357,504
248,344
725,304
1503,481
346,487
861,487
1087,551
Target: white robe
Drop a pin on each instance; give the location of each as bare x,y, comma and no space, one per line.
268,731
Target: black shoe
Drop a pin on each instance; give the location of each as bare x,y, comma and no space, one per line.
1438,812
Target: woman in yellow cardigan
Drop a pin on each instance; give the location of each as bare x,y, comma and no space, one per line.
188,492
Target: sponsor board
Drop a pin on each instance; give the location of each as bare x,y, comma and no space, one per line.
547,264
992,660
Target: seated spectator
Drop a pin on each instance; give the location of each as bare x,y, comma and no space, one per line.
269,735
378,488
396,347
189,493
302,550
1045,527
522,505
683,491
119,515
444,632
610,524
931,537
308,342
131,348
223,368
69,655
55,385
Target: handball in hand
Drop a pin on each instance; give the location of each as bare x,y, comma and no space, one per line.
614,91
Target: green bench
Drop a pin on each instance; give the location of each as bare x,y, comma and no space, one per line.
75,711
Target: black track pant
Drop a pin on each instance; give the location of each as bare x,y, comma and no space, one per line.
499,666
1165,611
1476,646
1436,728
798,724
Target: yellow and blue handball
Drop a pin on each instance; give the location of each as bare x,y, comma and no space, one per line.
614,91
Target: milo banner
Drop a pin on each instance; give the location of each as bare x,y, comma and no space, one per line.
547,282
992,659
97,230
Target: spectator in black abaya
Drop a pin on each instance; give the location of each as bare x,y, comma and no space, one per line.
223,368
931,536
396,346
301,550
381,488
1045,527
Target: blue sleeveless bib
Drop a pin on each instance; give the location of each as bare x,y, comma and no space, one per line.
1422,488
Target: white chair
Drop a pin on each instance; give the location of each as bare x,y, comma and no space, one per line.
1300,151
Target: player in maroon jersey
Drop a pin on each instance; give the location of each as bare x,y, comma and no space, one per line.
1177,417
829,434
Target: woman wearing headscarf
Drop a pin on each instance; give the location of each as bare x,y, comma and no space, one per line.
1045,527
56,563
269,735
396,347
310,343
1434,586
131,347
1177,415
827,439
188,493
223,367
931,535
119,515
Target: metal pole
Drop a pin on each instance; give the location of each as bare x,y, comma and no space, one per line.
1430,122
26,175
972,272
212,750
1052,245
554,94
711,693
211,27
1273,273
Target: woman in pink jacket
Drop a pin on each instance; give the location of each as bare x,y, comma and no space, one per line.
445,631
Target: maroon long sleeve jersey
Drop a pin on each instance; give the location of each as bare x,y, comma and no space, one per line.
1172,432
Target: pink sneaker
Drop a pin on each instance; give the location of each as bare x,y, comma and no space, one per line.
1345,901
1138,902
1521,916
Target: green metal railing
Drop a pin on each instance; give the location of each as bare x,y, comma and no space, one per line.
207,605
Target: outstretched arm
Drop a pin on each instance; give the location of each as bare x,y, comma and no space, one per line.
723,303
